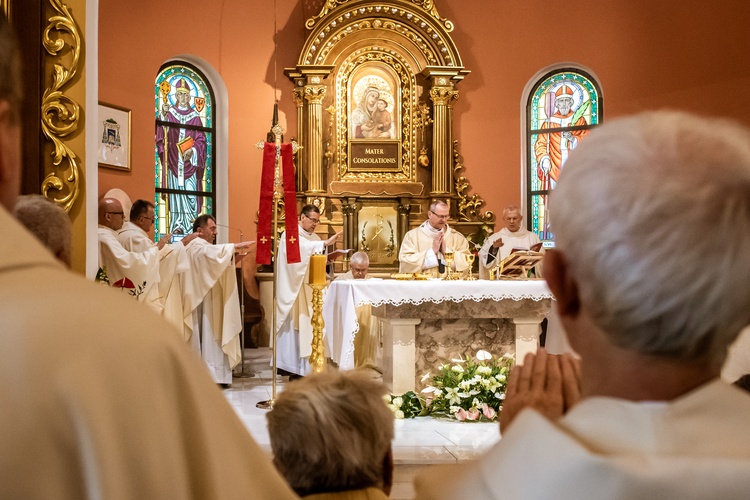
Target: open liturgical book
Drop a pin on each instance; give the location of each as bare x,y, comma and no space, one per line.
520,261
335,254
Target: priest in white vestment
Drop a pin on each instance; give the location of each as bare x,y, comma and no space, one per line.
424,247
294,297
645,414
136,272
166,299
368,352
213,299
499,245
99,399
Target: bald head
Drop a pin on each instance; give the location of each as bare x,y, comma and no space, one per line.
111,214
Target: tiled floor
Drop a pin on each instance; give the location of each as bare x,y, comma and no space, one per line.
418,443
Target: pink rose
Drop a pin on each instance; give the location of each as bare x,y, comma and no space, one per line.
473,414
461,414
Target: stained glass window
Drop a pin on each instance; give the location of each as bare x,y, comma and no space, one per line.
568,101
184,153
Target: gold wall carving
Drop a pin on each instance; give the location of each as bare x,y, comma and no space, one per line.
60,113
399,65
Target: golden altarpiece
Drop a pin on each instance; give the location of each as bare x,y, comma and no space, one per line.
375,86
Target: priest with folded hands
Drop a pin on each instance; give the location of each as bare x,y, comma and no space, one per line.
423,249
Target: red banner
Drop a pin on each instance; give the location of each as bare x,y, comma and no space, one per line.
290,204
265,208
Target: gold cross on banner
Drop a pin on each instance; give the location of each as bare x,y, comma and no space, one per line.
292,239
264,240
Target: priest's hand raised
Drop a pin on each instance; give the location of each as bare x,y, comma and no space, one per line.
242,246
330,241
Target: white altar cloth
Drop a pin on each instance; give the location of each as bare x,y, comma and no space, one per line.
342,297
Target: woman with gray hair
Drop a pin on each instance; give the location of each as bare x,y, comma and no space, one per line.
331,437
48,222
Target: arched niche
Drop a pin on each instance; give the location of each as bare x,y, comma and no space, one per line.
354,155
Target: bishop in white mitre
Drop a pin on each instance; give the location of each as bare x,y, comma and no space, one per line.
137,272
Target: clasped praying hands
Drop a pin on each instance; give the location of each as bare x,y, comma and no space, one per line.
547,383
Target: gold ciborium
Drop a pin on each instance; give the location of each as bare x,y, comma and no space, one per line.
470,261
448,266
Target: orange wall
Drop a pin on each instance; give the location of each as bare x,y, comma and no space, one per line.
648,54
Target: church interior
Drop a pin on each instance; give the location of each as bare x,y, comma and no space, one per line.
472,145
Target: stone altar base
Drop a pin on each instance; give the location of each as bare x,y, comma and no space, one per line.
417,339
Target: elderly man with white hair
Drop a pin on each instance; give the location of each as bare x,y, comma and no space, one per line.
500,245
650,303
368,353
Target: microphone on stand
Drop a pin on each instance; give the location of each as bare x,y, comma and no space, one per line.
242,373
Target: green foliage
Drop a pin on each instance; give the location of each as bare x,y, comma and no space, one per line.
468,389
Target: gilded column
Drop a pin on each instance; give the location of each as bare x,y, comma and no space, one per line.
403,209
349,209
298,95
314,94
441,139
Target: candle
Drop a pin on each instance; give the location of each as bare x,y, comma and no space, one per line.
318,269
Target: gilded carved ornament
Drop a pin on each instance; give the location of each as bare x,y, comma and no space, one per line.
60,114
315,94
443,95
417,21
428,6
408,103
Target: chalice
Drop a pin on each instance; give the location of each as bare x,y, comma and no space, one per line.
449,265
470,261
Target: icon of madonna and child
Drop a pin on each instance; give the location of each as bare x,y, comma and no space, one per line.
374,114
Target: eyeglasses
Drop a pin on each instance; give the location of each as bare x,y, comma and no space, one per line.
121,214
314,221
441,217
149,219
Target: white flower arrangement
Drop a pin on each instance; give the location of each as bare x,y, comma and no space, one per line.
470,389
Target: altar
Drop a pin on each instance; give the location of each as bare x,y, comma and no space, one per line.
425,323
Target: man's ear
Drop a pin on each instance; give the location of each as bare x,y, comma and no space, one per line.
562,283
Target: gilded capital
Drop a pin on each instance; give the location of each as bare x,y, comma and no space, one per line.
298,96
315,93
443,95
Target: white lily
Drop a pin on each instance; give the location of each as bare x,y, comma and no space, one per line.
483,355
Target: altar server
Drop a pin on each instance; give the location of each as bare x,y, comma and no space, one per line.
423,249
637,290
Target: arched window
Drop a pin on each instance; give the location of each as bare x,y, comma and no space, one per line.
184,153
569,101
